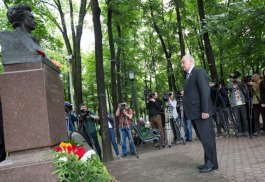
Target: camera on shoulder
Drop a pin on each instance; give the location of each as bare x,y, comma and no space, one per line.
166,96
234,75
247,79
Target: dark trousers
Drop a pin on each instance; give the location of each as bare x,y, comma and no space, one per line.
221,120
95,140
257,110
240,113
174,128
205,131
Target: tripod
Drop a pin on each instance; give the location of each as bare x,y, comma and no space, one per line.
178,126
223,112
87,135
250,107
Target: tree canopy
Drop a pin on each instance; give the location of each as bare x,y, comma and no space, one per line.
148,37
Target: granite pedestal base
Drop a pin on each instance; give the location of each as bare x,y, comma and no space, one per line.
32,106
33,120
33,166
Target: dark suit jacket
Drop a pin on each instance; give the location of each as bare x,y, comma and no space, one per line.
197,94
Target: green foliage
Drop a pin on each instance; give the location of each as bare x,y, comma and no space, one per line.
236,31
239,33
70,169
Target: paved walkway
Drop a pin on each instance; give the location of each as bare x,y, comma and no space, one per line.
240,159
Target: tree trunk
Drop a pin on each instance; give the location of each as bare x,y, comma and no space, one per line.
208,47
201,47
107,150
221,55
118,66
113,61
181,40
73,50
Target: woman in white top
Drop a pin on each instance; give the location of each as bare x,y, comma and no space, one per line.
172,104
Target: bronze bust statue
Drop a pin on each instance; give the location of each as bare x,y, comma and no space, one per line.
20,46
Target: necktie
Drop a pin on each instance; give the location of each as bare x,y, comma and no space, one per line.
187,76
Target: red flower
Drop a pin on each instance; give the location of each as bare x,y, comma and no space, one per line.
80,151
41,53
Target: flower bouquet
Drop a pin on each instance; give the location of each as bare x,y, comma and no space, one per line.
74,164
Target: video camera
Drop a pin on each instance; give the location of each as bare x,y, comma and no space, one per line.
166,96
67,106
122,105
247,79
216,83
234,75
84,114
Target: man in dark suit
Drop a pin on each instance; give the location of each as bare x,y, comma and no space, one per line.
198,107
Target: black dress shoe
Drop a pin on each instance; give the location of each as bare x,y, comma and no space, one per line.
201,166
207,169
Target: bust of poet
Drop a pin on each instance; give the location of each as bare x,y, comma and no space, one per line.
20,46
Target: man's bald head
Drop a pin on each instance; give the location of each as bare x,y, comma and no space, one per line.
187,62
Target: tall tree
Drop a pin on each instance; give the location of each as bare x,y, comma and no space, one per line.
207,43
73,49
170,72
180,33
113,60
107,150
118,66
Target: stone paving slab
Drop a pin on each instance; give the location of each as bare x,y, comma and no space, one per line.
240,159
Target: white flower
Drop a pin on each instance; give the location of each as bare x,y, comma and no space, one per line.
87,155
64,159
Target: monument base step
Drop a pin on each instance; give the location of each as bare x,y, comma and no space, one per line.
29,166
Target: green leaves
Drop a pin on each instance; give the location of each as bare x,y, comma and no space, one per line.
73,170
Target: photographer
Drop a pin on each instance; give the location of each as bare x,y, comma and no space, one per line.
219,94
125,115
112,135
70,117
172,104
89,118
154,110
238,103
254,83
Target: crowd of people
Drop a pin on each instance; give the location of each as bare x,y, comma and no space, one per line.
240,103
234,108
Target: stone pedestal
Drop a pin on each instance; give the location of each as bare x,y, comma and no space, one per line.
30,166
33,106
33,119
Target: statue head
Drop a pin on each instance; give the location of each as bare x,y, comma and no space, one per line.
20,16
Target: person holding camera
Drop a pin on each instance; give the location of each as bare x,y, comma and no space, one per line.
70,117
257,103
220,102
238,99
112,135
88,119
172,104
154,110
125,115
